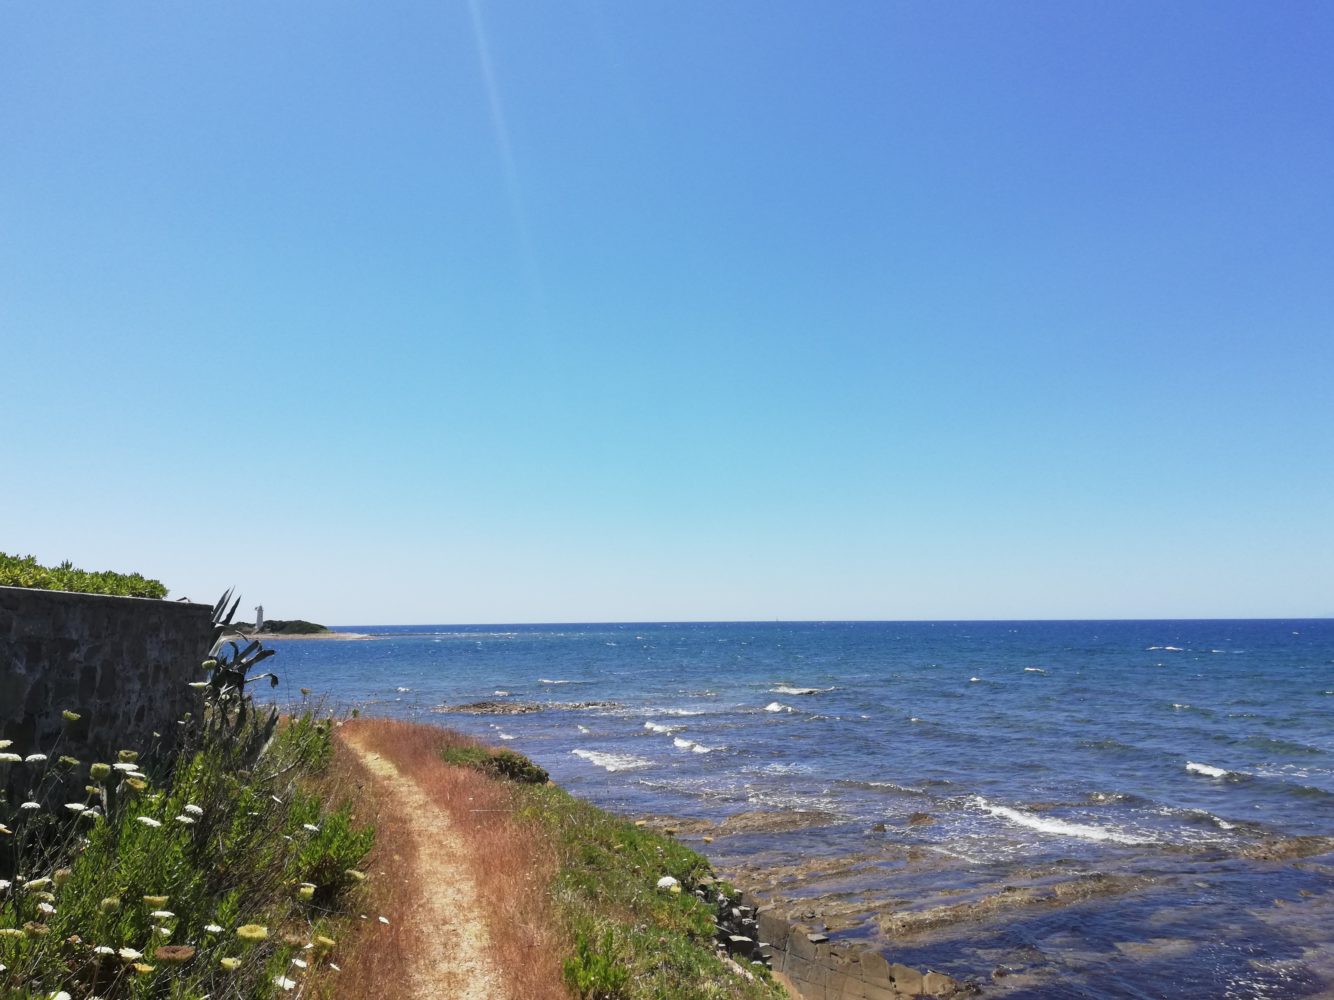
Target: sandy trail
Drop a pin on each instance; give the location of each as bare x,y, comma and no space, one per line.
454,959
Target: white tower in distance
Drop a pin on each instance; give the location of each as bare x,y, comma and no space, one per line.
259,618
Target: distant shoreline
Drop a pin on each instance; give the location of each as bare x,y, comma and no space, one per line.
277,636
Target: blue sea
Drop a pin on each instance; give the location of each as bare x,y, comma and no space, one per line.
1049,809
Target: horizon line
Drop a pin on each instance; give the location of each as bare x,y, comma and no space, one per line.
827,621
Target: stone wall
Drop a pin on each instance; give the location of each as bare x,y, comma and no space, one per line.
121,663
810,963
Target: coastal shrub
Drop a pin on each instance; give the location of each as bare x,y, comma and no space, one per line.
501,762
219,873
25,571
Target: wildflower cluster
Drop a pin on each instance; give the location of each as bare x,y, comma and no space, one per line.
216,873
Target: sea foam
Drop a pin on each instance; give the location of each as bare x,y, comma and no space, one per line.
1208,770
1057,827
612,761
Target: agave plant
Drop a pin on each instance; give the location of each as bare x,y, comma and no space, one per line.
230,672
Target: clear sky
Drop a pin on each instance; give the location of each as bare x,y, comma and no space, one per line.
405,312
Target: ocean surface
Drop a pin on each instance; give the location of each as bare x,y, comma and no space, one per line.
1050,809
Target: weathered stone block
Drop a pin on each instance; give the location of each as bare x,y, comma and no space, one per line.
875,968
773,928
937,984
906,980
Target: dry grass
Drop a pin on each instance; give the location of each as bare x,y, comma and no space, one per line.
510,865
372,955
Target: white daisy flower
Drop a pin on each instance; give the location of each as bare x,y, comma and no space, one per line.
31,805
77,807
10,758
162,915
150,821
194,810
311,827
130,955
282,982
34,758
213,928
187,820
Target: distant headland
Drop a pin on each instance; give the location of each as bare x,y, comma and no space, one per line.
295,628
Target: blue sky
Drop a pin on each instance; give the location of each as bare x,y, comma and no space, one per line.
444,312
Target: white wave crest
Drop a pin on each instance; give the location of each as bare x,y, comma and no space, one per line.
789,689
1034,670
612,761
774,706
1058,827
691,745
583,729
1208,770
654,727
543,680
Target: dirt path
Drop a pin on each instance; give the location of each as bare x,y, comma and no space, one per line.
456,948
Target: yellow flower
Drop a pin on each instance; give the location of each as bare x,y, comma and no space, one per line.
71,716
252,932
229,964
156,902
99,772
109,905
128,756
323,943
143,968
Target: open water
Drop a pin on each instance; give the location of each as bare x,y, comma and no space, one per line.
1082,809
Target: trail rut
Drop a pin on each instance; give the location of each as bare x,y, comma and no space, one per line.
453,958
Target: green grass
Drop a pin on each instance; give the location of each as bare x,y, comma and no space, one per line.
632,941
499,763
24,571
138,885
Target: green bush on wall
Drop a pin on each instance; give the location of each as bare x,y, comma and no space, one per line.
25,571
